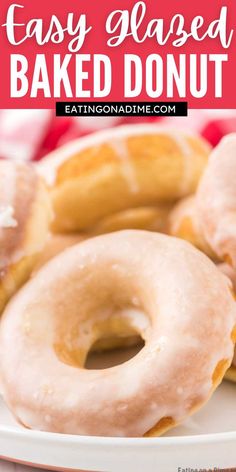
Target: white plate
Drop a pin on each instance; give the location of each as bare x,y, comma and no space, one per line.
204,441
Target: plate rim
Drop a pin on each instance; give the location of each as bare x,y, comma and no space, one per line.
116,441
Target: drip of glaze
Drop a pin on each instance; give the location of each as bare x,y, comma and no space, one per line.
121,149
186,152
7,219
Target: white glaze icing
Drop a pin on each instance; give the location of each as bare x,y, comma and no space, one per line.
20,188
229,272
7,219
216,199
187,152
8,184
121,150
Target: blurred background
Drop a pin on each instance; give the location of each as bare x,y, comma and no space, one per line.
31,134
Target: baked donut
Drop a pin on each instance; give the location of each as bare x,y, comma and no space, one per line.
119,169
183,223
158,286
231,273
25,215
147,218
216,200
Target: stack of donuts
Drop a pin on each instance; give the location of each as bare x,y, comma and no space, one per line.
128,232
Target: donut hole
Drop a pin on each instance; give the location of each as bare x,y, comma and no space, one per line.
231,374
116,352
105,342
117,339
110,309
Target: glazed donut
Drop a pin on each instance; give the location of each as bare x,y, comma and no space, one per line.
25,215
216,200
183,223
158,286
231,273
118,169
